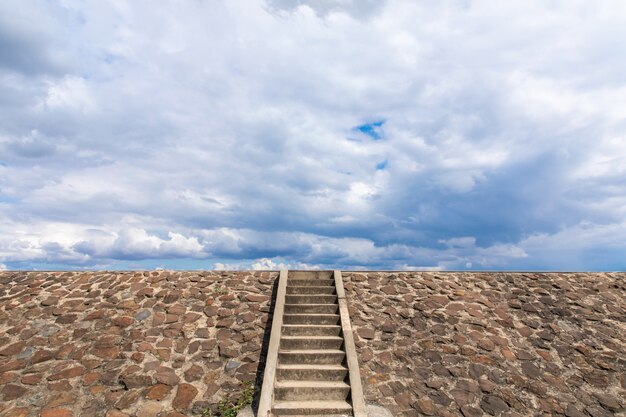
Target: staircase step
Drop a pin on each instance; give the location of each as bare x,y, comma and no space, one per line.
312,408
310,342
309,289
311,330
311,356
310,299
311,318
311,372
310,275
312,282
311,308
311,390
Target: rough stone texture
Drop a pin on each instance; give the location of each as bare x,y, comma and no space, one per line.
505,344
130,343
127,344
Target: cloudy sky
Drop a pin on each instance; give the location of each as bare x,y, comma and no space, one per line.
360,134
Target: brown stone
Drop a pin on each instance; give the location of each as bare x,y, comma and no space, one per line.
13,392
62,385
166,376
106,352
256,298
136,381
184,396
366,333
469,411
122,321
91,377
13,349
389,290
59,412
7,377
31,379
42,355
425,406
194,373
486,344
493,405
62,398
50,301
158,392
608,401
128,399
67,373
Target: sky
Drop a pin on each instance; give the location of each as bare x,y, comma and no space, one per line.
345,134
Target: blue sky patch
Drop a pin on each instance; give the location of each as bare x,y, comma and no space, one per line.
373,130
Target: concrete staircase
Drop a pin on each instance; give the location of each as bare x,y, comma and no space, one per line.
311,373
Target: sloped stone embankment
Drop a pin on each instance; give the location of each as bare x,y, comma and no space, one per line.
474,344
128,344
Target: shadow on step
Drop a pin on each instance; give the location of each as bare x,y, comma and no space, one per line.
258,380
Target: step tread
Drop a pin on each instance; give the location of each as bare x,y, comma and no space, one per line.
286,405
312,325
311,351
323,367
308,304
309,286
310,337
290,383
311,314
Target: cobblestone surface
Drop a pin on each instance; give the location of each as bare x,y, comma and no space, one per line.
128,344
504,344
447,344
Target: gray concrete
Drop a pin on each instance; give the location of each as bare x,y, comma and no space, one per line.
313,372
358,400
269,376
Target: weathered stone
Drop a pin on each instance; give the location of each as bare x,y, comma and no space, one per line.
608,401
166,376
469,411
425,406
135,381
256,298
158,392
67,373
184,396
493,405
13,392
62,398
366,333
194,373
13,349
50,301
572,411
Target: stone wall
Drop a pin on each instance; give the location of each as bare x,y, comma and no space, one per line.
473,344
172,344
128,344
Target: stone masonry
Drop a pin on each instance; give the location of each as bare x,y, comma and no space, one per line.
128,344
172,344
500,344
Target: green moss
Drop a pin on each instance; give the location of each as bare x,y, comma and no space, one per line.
229,408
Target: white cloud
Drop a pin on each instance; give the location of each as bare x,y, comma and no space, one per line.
227,131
